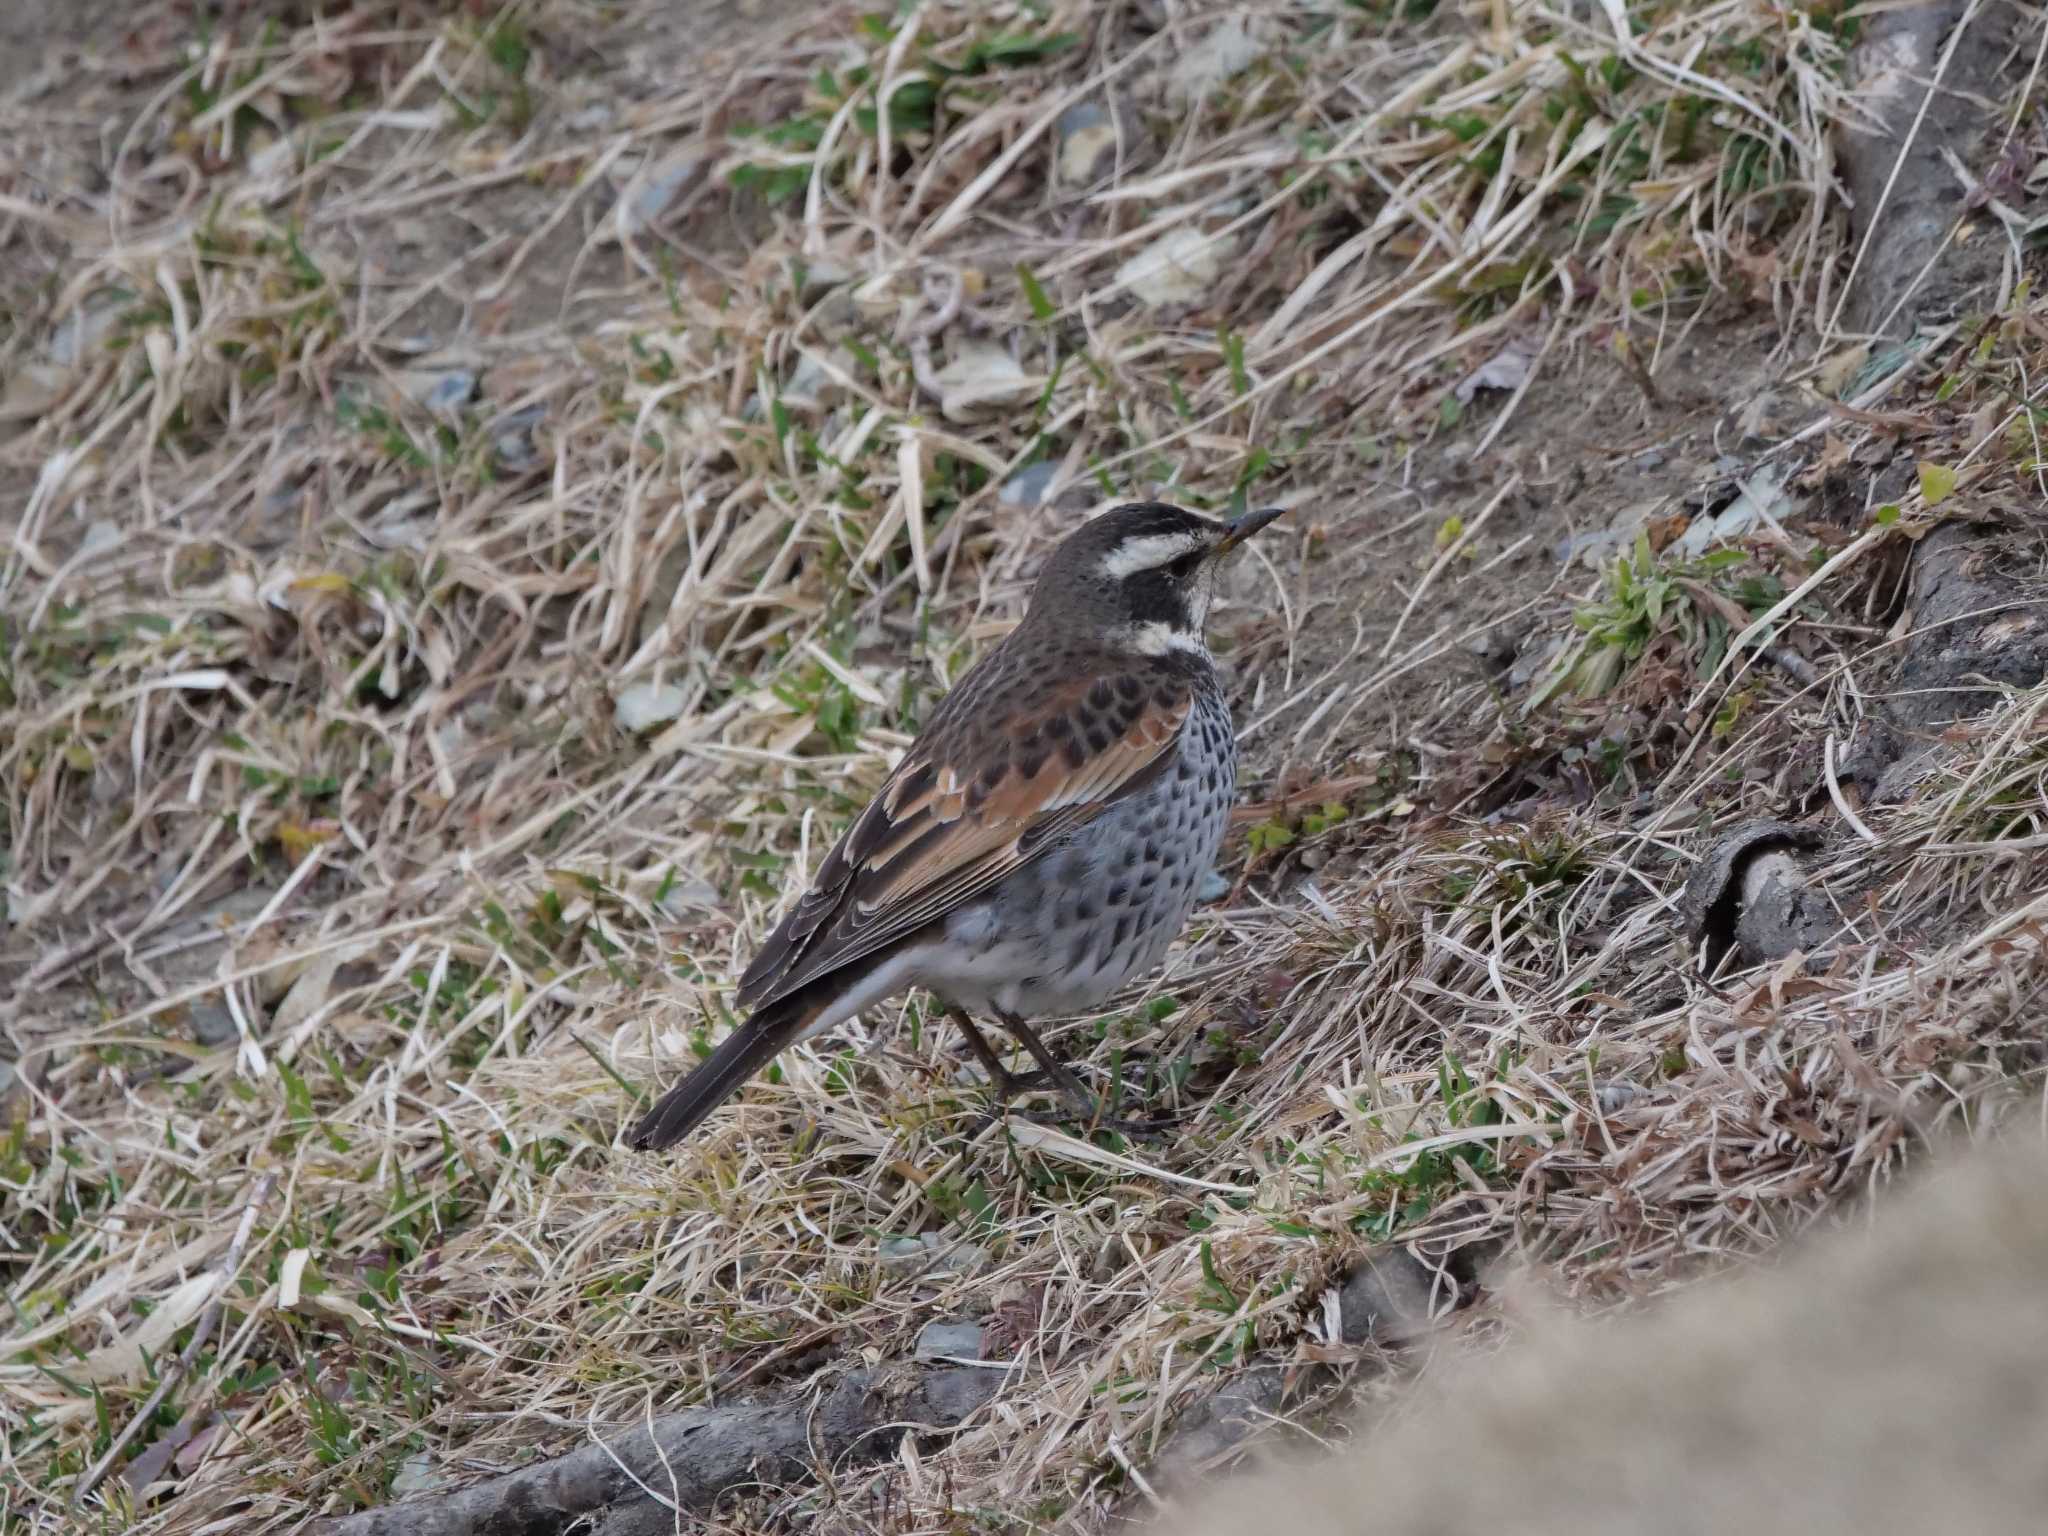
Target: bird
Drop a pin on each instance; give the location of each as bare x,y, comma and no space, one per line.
1043,839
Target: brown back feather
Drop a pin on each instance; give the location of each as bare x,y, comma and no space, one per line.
1031,745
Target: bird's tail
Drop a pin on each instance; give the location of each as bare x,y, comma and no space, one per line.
720,1075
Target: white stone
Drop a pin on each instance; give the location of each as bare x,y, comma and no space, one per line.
982,374
1177,268
641,705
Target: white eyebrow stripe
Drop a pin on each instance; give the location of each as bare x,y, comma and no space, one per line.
1155,549
1156,638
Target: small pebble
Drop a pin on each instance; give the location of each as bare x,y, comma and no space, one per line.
956,1340
512,438
1615,1097
444,392
417,1474
79,335
212,1024
656,188
1030,486
648,704
1390,1297
931,1253
1087,138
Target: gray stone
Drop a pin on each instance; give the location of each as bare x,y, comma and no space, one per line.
418,1473
1231,47
1392,1297
980,375
1590,547
80,334
512,439
932,1253
1234,1416
687,895
1087,136
1780,912
1616,1096
653,192
441,391
31,390
956,1340
211,1022
643,705
1494,649
1772,416
1178,268
816,384
1534,662
1761,501
820,275
1030,486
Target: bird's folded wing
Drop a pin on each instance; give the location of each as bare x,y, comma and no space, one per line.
942,832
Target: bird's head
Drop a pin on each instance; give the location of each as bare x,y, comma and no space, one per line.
1141,575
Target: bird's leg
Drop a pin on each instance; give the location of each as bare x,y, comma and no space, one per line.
1008,1084
1089,1107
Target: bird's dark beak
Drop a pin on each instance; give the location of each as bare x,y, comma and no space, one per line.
1243,528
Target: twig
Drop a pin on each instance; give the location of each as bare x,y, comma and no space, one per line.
698,1454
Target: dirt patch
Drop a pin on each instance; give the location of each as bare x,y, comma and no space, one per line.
40,47
1574,469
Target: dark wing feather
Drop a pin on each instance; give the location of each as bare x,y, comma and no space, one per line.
980,794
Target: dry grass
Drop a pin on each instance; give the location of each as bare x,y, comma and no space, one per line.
339,897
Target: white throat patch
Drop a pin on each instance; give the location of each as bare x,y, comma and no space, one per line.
1148,553
1157,638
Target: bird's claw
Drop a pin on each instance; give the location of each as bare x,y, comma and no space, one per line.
1137,1130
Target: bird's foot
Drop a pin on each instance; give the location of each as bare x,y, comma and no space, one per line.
1009,1085
1156,1128
1084,1107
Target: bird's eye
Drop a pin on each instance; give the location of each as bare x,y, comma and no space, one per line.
1185,566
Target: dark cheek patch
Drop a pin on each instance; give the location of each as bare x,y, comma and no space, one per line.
1151,597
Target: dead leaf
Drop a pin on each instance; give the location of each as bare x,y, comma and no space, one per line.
1902,423
1507,369
298,839
125,1358
1663,530
1834,455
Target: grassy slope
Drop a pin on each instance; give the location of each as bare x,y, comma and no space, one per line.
339,897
